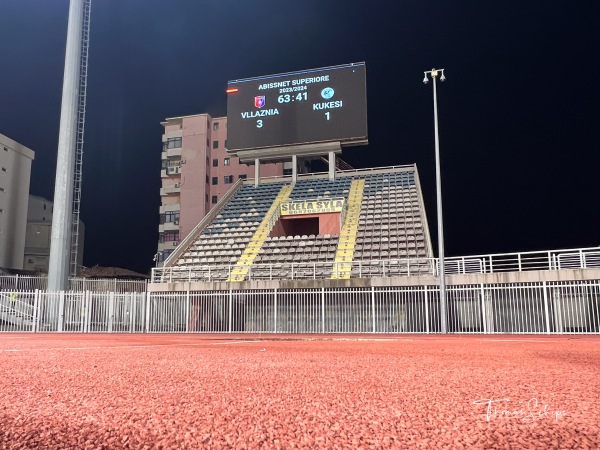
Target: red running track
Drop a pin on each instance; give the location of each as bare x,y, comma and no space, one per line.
224,392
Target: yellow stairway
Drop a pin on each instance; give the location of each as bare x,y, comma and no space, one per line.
345,250
241,268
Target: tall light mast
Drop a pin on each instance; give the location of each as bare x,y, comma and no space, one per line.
67,189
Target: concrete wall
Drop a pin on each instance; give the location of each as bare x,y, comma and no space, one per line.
293,225
194,189
15,174
499,278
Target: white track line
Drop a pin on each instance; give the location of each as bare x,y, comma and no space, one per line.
518,340
126,346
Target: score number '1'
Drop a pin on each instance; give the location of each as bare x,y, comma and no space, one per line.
259,122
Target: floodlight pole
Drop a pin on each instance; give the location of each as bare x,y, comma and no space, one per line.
438,183
58,271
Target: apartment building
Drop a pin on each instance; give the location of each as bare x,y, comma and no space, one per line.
38,233
15,174
196,172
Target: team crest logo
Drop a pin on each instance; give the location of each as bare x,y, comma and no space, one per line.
327,93
259,101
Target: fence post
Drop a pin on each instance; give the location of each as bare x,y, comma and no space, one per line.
61,311
546,311
16,282
275,310
483,310
230,310
426,310
88,321
83,319
373,308
187,309
111,310
322,310
36,307
133,311
147,313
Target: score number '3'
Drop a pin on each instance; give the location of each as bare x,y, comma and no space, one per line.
259,122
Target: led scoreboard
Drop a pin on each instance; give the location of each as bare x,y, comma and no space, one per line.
305,107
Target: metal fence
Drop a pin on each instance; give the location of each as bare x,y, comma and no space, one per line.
31,283
583,258
544,307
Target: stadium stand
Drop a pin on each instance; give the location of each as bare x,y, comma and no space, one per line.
383,219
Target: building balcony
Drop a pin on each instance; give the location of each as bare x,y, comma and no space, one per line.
169,245
172,152
168,226
170,171
171,189
170,207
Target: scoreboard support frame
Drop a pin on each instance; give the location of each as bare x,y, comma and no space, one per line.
293,152
332,166
256,172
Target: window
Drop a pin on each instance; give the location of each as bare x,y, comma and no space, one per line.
5,149
215,144
173,142
169,217
228,179
4,169
207,179
162,256
44,207
207,142
225,144
227,162
170,163
215,180
216,126
1,189
169,236
287,172
243,176
214,200
206,198
215,163
207,161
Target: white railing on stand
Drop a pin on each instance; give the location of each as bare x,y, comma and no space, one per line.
585,258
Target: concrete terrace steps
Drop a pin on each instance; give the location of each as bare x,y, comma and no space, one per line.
247,258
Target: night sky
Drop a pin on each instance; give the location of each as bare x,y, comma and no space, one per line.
518,114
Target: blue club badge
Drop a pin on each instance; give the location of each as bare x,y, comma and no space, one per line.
327,93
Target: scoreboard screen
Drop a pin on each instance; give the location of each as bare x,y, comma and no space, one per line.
310,106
